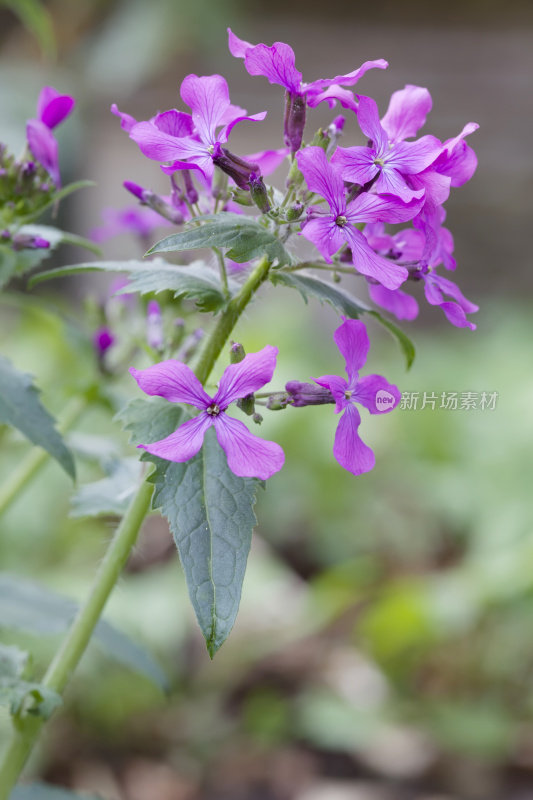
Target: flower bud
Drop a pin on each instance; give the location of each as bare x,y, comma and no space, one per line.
25,241
294,120
308,394
257,418
294,212
278,401
134,188
190,189
236,353
234,166
259,193
103,339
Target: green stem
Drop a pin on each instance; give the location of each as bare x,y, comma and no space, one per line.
223,273
68,656
77,639
327,267
31,464
227,321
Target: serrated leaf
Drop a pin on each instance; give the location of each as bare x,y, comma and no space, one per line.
243,238
29,607
311,286
148,420
195,281
210,513
21,408
352,307
25,697
13,661
42,791
110,495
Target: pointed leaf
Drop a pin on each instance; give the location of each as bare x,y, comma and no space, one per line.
110,495
29,607
406,345
243,238
21,408
210,513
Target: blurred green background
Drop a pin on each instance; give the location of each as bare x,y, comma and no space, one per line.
383,647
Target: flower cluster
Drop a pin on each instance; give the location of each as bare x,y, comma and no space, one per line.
341,199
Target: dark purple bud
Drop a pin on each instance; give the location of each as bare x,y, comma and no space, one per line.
154,325
134,189
103,339
190,188
236,353
158,204
294,120
24,241
308,394
237,168
258,193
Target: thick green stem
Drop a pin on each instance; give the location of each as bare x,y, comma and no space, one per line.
31,464
77,639
68,656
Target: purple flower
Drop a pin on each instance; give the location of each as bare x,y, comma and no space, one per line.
248,456
278,65
103,339
388,160
189,141
373,392
154,325
329,232
139,221
52,108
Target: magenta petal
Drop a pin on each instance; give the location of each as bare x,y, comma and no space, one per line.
373,265
248,455
246,377
407,112
126,120
237,47
184,443
372,208
402,305
208,98
43,146
337,386
173,122
225,132
330,96
276,63
356,164
392,182
349,79
368,119
349,449
325,235
202,164
411,158
268,160
321,177
352,340
376,394
52,107
174,381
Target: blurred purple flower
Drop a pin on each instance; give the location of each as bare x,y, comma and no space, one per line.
52,109
139,221
103,339
248,456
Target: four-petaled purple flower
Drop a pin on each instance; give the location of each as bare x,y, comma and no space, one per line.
191,141
329,232
278,65
373,392
248,455
388,158
52,109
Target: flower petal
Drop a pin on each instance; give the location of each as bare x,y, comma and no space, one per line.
376,394
248,455
337,386
126,120
410,158
356,164
43,146
225,132
52,107
184,443
325,235
392,182
331,95
276,63
349,79
208,98
371,264
368,119
402,305
175,123
349,449
161,146
174,381
268,160
373,208
321,177
246,377
237,47
352,340
407,112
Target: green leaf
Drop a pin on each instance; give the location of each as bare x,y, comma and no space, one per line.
352,307
110,495
41,791
311,286
13,661
195,281
148,420
403,340
37,19
210,513
29,607
243,238
25,697
21,408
